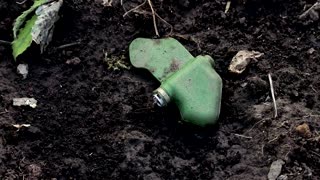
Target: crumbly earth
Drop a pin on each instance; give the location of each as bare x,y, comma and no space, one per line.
97,122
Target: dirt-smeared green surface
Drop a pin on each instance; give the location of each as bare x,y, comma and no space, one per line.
95,123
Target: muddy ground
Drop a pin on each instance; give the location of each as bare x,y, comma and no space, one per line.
96,122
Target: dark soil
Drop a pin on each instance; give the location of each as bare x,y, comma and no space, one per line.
96,122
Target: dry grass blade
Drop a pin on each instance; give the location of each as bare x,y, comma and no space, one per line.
243,136
154,14
254,126
68,45
171,27
135,8
273,96
154,18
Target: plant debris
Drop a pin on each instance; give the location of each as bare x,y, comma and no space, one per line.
116,63
39,28
241,60
23,70
304,130
275,169
227,7
22,18
107,3
18,126
25,102
43,28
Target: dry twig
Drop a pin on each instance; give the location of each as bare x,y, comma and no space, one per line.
315,6
254,125
273,96
154,18
154,14
134,9
4,112
68,45
171,27
316,154
274,139
243,136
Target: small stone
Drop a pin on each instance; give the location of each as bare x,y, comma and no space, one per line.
311,51
275,169
242,20
295,93
244,84
23,70
73,61
34,170
304,130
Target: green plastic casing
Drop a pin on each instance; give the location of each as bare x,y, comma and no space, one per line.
190,82
196,89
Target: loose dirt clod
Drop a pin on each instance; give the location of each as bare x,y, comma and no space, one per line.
242,59
304,130
25,102
34,171
153,13
275,169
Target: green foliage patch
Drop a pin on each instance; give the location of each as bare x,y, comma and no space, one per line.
23,39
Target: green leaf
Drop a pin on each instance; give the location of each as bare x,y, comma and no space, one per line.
22,18
24,38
